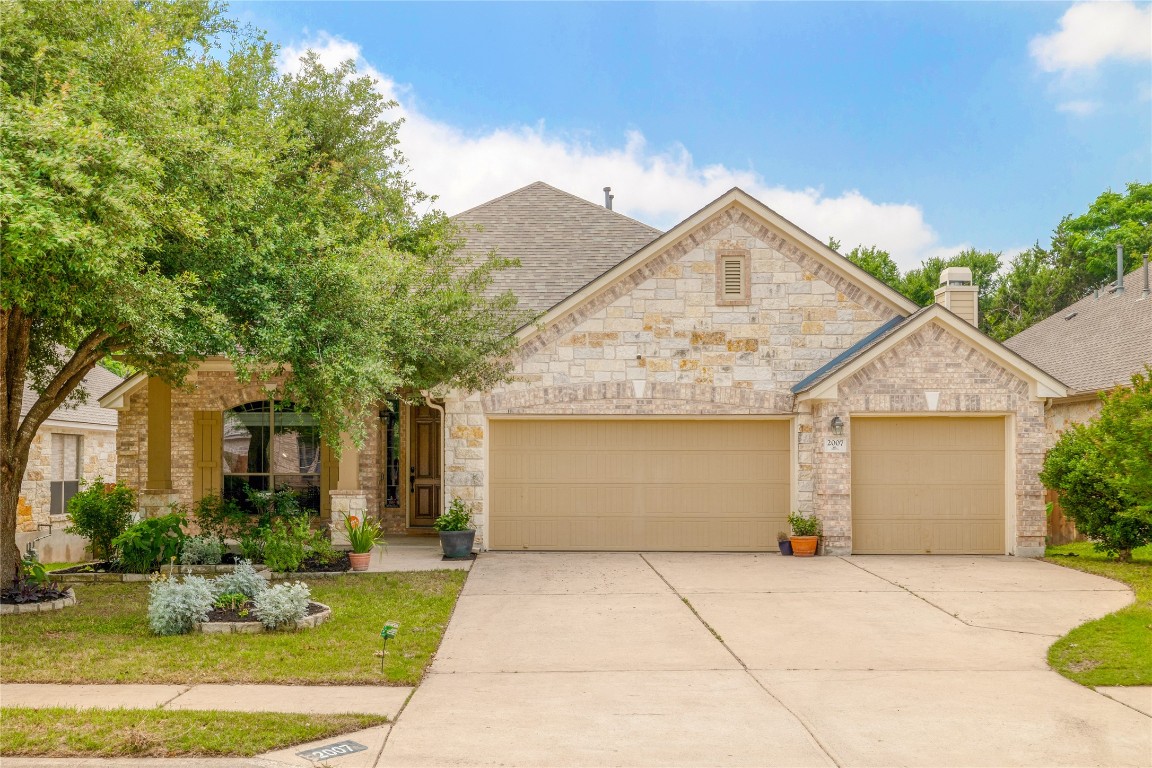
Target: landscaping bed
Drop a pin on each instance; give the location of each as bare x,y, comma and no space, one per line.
63,732
105,638
1114,649
244,619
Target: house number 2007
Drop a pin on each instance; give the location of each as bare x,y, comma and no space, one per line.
333,750
835,445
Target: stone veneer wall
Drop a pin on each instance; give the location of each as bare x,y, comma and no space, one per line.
207,391
656,342
98,459
1061,415
933,359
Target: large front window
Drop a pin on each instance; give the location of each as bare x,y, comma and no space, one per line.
270,446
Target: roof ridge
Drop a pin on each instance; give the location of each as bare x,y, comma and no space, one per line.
546,185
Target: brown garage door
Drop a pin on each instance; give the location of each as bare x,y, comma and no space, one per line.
600,484
924,485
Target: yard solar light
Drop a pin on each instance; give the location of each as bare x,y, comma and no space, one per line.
837,425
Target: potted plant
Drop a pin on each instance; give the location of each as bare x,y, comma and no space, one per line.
805,534
784,543
363,535
456,531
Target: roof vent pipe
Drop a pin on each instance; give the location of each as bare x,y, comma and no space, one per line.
1144,293
608,197
1119,268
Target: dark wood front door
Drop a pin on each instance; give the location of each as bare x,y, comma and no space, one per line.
424,467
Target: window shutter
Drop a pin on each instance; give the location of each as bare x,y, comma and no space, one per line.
329,479
733,277
207,450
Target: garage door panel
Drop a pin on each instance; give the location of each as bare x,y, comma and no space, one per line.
634,485
928,485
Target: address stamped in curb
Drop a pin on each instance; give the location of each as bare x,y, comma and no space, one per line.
329,751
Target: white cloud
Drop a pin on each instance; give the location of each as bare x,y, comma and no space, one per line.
658,187
1093,32
1079,107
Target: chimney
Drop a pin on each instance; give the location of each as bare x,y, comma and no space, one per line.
608,197
1119,268
956,293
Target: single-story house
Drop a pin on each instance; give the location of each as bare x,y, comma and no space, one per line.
74,444
1093,346
682,390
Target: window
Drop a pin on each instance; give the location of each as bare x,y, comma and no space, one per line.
66,459
271,446
732,278
390,426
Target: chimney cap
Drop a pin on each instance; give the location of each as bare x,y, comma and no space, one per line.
956,276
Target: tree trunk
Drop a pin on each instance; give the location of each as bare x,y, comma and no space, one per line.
16,433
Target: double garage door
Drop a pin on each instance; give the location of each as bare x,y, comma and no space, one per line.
918,484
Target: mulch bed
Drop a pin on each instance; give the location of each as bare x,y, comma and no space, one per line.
100,566
228,614
311,566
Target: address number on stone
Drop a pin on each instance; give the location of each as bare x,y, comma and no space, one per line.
339,749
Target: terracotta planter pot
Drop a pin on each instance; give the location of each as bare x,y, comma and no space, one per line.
359,560
804,546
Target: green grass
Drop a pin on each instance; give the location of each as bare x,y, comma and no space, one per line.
1115,649
61,732
105,638
58,566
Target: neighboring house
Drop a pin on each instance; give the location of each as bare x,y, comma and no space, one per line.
1092,346
73,444
682,391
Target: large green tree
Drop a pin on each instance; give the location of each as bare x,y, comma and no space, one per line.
165,194
1081,257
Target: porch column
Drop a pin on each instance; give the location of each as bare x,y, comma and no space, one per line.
347,497
157,492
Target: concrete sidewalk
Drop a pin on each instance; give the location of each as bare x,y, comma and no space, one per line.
302,699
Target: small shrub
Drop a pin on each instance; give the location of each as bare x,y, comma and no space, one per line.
283,604
202,550
149,543
458,517
320,549
231,601
285,543
223,518
101,515
243,580
252,546
804,525
174,606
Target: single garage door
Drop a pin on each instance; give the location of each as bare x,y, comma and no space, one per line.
612,484
929,484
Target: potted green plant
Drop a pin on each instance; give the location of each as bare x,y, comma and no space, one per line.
805,533
456,532
363,534
784,543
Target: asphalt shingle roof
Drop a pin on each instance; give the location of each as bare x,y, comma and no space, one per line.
1096,343
563,242
98,382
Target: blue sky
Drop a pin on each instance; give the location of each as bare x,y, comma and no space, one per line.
920,127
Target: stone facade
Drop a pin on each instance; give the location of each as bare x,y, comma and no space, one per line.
657,342
1064,413
97,459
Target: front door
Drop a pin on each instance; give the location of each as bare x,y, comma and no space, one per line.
424,467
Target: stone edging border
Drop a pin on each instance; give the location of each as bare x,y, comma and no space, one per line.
120,578
255,627
53,605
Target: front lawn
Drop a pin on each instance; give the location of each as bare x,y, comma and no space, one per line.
61,732
105,638
1115,649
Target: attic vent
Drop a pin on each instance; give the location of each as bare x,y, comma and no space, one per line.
732,278
1070,315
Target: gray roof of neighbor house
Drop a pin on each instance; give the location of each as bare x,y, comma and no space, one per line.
97,383
562,241
1096,343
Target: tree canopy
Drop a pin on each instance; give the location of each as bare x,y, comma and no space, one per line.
167,194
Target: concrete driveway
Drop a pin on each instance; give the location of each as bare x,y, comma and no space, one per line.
759,660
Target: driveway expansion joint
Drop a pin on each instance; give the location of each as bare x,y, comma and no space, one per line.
803,722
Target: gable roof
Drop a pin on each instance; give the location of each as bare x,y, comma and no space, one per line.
97,383
896,301
562,241
1096,343
823,383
